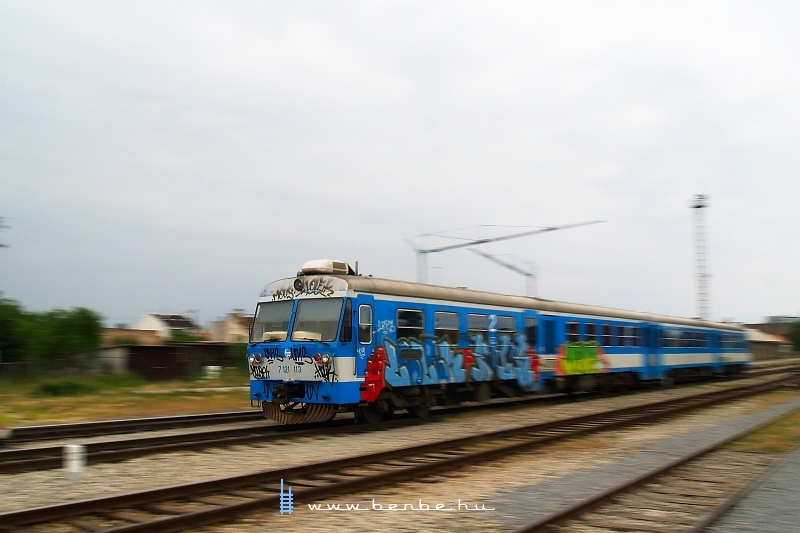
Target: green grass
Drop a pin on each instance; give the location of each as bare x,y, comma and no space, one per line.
76,398
777,437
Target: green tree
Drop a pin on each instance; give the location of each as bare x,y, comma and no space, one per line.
12,332
181,335
794,335
72,332
58,334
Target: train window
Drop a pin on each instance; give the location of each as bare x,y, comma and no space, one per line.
606,335
272,321
573,332
445,326
317,319
723,341
613,335
365,324
731,341
530,332
506,326
626,336
410,324
346,334
636,338
478,325
590,332
670,339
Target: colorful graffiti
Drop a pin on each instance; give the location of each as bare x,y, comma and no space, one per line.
429,361
575,358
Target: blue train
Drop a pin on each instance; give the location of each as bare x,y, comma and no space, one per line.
329,340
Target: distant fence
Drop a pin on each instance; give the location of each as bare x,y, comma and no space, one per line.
178,361
27,369
161,362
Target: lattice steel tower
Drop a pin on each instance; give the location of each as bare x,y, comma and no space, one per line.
699,203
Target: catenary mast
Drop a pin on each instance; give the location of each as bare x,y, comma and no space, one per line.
699,204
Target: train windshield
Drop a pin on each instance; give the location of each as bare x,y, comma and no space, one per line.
272,321
317,320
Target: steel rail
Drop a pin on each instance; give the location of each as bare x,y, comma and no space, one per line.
723,507
110,427
548,522
40,458
347,474
45,432
26,459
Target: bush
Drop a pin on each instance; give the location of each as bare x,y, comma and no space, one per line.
794,335
63,388
238,355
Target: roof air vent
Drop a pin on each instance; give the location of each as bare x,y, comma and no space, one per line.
326,266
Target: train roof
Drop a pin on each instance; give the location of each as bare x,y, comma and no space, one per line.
390,287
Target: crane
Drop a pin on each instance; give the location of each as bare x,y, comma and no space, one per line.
422,253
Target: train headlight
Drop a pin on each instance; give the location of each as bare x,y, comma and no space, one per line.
322,358
254,358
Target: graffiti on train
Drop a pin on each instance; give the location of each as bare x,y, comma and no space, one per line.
427,361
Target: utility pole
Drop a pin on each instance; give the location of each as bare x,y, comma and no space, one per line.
699,204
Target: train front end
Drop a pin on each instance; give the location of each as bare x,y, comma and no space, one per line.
301,359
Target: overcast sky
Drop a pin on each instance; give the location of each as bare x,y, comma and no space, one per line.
176,156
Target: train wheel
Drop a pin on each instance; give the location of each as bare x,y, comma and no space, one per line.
369,414
482,393
298,413
420,411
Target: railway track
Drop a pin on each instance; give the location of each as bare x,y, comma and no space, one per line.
48,432
686,495
42,458
112,427
188,505
47,457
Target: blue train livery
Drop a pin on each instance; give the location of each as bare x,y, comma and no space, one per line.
329,340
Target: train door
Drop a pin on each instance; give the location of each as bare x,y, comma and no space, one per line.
532,330
364,323
652,355
529,377
547,342
715,347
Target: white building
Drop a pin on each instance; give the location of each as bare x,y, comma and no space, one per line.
166,325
